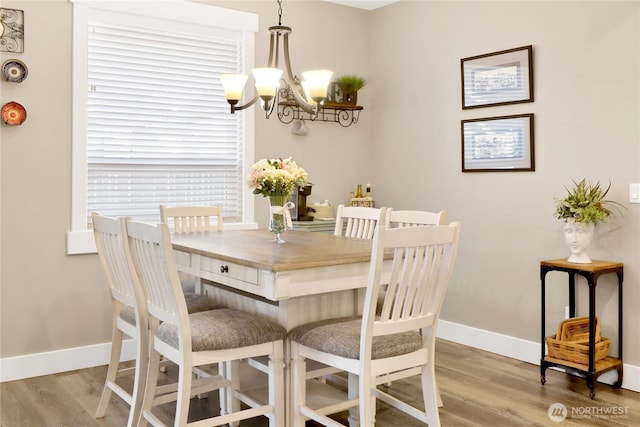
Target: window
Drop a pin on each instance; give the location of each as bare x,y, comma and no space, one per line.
151,124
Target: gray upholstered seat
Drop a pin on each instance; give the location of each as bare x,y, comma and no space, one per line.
128,314
195,304
224,328
342,338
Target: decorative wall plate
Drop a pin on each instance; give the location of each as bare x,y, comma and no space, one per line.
11,30
14,70
13,113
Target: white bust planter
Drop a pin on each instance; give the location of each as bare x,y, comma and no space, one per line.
578,236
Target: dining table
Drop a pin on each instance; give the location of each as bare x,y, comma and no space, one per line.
312,276
309,277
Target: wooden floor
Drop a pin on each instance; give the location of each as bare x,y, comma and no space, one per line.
477,388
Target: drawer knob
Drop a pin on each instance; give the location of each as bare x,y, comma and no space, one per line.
224,269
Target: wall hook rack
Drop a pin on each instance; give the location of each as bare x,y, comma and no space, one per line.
343,114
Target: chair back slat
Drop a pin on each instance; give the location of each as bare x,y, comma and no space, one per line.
357,221
109,240
192,219
408,218
423,258
152,256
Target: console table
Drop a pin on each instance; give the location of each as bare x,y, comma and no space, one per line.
591,272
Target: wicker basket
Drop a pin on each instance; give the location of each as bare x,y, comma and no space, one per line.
571,341
576,329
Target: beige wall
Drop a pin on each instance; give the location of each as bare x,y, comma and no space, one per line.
587,120
48,300
407,144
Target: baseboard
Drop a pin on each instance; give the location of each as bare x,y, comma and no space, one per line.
519,349
53,362
34,365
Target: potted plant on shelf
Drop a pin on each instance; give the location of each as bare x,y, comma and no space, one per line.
580,210
345,90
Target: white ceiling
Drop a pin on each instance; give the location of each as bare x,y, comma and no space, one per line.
363,4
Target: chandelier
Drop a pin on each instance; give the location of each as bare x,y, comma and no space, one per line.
309,93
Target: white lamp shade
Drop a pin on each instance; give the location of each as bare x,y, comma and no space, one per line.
318,82
233,84
267,81
307,94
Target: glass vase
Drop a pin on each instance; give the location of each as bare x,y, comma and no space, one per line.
278,221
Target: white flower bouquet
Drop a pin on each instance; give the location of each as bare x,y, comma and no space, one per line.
276,177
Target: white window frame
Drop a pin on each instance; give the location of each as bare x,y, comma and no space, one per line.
79,238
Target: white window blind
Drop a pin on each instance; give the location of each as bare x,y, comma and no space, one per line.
150,122
158,127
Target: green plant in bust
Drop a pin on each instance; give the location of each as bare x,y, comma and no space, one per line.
585,203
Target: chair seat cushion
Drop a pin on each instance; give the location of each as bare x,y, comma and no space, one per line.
224,328
197,303
342,338
128,314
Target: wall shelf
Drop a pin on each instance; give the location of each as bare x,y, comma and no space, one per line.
341,113
344,114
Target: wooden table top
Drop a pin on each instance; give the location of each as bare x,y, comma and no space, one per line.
594,265
255,248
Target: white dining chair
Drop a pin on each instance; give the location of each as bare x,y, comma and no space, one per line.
209,337
191,219
374,347
412,218
128,311
356,221
129,314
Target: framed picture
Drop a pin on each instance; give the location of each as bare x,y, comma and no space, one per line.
502,144
11,30
498,78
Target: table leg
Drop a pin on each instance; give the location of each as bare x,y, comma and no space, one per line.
592,336
591,384
619,274
572,295
619,370
542,328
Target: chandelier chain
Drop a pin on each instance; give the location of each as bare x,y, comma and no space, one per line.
279,12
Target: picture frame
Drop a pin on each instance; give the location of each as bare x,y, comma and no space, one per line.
11,30
498,144
498,78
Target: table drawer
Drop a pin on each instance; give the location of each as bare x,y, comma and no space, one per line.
183,260
225,272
